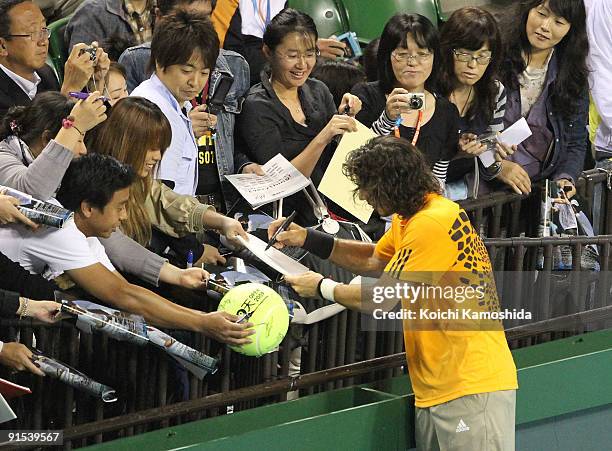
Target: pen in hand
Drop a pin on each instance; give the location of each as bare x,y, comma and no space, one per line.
286,223
85,95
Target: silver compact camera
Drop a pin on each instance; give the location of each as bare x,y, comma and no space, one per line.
416,101
92,52
489,139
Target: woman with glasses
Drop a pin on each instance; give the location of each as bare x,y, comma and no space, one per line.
545,74
470,47
402,101
291,113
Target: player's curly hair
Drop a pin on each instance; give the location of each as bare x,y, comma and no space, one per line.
394,174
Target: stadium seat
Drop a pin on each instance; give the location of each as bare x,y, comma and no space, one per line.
57,46
328,15
368,18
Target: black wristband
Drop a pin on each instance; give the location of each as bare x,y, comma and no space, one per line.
319,243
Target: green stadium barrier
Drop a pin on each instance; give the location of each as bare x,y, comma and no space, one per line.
328,15
348,418
58,53
368,18
565,391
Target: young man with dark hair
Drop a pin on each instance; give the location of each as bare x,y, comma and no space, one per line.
97,188
184,50
213,156
24,42
461,370
136,59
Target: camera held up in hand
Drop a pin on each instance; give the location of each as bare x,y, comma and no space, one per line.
489,139
92,52
416,101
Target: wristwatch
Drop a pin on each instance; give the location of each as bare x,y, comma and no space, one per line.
494,170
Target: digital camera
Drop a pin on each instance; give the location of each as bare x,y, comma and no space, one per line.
92,52
416,101
489,139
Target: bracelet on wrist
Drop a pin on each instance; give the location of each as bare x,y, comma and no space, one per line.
78,130
23,308
68,123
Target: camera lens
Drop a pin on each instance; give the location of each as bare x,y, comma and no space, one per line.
91,51
416,103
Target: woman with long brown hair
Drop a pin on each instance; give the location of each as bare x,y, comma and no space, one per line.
137,133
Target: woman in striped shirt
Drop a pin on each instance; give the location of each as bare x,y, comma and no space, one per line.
408,56
470,47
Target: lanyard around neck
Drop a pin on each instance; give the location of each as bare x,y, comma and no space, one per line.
417,128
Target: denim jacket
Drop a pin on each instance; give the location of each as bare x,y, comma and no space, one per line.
569,133
96,20
135,60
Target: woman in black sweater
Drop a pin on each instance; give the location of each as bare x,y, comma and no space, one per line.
289,112
408,56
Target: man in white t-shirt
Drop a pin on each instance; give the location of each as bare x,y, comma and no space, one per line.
51,252
96,188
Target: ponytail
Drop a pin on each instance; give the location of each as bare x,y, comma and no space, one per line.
44,114
12,122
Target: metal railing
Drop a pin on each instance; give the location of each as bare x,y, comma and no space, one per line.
376,368
145,378
507,214
148,381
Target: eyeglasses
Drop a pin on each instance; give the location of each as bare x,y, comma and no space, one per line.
420,57
43,33
468,58
294,58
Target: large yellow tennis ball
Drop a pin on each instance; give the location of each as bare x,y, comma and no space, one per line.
267,311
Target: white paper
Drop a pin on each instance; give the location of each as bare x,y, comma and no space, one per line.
281,179
274,258
487,158
339,188
6,413
516,133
